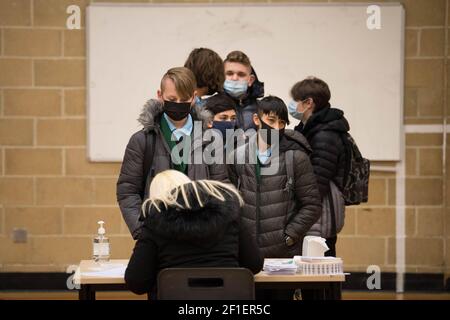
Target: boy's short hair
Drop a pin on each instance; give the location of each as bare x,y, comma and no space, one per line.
208,69
239,57
314,88
184,81
274,105
219,103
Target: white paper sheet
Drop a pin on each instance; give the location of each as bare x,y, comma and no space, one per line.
109,270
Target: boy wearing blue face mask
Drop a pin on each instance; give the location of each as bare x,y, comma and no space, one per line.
167,122
323,127
224,112
242,85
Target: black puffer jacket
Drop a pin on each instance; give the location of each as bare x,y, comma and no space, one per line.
323,131
270,210
130,182
246,107
201,237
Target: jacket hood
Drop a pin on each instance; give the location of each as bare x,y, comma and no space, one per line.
257,88
327,119
153,110
294,140
200,225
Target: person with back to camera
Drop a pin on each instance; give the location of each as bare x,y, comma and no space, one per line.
208,69
189,224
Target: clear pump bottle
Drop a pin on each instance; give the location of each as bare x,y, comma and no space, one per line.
101,249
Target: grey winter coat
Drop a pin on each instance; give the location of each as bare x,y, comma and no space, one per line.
273,208
332,203
130,182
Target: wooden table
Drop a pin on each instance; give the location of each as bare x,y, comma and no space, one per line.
91,283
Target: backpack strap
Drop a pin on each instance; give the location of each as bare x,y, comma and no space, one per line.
148,159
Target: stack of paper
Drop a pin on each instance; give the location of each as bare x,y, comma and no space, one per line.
280,266
111,270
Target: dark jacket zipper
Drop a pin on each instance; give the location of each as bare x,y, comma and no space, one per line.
258,199
240,114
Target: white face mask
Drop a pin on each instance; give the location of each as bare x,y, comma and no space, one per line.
235,88
292,108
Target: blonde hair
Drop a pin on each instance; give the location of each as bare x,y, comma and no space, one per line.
184,81
167,186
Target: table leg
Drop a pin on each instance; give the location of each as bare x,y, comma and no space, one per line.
319,294
86,293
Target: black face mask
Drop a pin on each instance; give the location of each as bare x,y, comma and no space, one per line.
177,110
269,130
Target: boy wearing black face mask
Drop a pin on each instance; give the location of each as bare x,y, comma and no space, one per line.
280,206
167,122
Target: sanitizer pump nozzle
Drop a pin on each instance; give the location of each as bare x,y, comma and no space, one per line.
101,249
101,230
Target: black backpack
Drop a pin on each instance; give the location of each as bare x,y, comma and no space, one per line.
356,173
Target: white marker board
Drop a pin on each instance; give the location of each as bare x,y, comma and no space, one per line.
131,46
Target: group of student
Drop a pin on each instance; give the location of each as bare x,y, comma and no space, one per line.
188,214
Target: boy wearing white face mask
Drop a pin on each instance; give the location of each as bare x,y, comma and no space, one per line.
242,85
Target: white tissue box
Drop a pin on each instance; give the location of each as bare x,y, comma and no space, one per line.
319,265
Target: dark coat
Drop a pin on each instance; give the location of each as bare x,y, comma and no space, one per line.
201,237
271,212
130,182
323,131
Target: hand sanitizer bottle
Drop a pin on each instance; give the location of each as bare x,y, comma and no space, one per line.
101,245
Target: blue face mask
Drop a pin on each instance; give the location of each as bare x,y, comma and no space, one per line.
199,101
222,126
292,108
235,88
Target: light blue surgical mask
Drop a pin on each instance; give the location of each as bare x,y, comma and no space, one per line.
292,108
199,101
235,88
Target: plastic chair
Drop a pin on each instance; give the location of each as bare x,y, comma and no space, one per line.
205,284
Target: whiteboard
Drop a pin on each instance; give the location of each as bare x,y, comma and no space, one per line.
130,47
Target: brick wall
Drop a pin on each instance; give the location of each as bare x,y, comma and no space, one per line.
48,187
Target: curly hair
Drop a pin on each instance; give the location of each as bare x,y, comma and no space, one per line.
207,67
